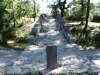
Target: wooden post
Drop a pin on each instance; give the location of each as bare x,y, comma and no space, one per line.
51,57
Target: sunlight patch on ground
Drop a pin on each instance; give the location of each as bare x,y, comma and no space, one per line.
78,22
94,24
75,23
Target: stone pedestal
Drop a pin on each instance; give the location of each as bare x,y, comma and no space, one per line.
51,57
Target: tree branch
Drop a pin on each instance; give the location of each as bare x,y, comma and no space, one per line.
67,7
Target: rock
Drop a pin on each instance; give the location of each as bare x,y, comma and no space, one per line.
99,73
25,71
3,63
2,71
26,66
96,62
94,68
31,39
84,74
13,70
71,39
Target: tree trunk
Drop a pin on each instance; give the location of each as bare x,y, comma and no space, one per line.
87,16
62,7
1,25
62,12
82,11
13,13
34,10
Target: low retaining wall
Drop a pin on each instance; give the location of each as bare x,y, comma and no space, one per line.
36,29
65,30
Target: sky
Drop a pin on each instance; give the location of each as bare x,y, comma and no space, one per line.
43,5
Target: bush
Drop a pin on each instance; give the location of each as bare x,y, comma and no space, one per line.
7,33
90,17
73,17
96,19
97,37
21,39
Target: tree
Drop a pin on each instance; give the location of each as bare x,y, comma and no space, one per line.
2,14
34,9
62,7
13,15
38,9
87,16
82,11
59,4
54,8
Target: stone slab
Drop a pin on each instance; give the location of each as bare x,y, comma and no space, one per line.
51,57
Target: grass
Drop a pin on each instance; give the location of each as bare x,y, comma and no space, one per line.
92,36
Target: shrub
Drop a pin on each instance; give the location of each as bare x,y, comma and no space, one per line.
7,33
96,18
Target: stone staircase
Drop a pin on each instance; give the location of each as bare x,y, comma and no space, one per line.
69,56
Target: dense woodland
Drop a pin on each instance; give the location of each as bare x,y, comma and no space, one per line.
13,14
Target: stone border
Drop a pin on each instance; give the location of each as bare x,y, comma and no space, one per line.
36,29
65,30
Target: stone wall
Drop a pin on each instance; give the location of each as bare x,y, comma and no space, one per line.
65,30
36,29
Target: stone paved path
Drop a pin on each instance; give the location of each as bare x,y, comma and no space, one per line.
94,57
7,59
69,56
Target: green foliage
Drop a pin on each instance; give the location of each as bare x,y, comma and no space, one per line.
96,18
90,38
54,9
23,8
11,13
2,13
71,73
21,39
76,13
66,14
7,33
37,9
